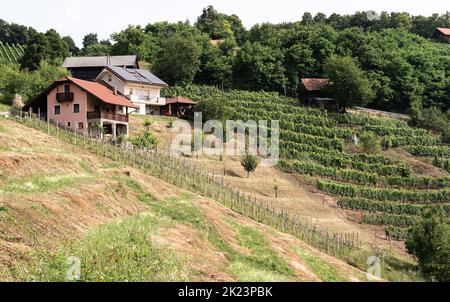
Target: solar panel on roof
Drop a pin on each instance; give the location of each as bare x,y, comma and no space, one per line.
137,75
150,76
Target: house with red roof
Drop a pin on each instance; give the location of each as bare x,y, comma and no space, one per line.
84,107
311,93
122,73
143,89
442,34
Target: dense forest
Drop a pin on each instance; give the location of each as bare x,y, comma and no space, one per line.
406,70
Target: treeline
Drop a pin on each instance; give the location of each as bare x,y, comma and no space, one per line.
402,68
13,33
371,21
49,46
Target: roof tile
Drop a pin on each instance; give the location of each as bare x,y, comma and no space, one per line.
445,31
180,100
315,84
101,92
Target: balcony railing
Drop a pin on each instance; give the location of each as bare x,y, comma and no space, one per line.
64,97
107,116
159,101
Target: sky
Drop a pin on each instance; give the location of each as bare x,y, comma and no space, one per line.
79,17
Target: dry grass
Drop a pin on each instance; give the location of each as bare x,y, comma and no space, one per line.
60,218
4,107
297,195
420,166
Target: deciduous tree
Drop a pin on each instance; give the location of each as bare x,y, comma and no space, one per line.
348,84
179,61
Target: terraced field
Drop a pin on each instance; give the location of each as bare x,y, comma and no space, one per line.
389,189
10,53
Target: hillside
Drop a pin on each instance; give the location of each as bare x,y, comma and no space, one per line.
385,191
58,200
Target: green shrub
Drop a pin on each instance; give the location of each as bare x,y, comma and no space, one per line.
429,241
249,162
370,142
147,141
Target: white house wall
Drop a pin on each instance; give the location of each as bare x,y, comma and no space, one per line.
125,88
114,81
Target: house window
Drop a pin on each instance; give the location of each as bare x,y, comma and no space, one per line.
76,108
57,109
97,108
80,125
143,95
68,124
67,88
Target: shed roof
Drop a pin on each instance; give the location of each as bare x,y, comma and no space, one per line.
314,84
100,61
180,100
445,31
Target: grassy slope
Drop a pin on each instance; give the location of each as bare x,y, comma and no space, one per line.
4,107
297,194
60,201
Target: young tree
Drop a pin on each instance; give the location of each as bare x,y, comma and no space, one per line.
429,241
348,84
275,187
370,142
178,61
249,162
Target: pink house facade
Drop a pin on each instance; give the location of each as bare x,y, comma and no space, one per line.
85,107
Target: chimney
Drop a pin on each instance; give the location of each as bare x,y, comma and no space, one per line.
108,60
